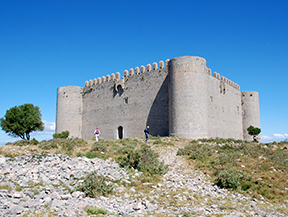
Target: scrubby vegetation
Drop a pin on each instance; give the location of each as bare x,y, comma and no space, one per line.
143,159
25,142
93,210
258,169
62,135
67,146
95,185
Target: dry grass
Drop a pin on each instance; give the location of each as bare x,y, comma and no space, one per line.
266,166
266,163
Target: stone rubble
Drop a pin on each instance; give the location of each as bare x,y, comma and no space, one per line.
43,184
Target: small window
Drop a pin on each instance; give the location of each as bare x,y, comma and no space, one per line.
120,132
120,90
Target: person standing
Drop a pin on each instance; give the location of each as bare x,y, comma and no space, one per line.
146,131
97,134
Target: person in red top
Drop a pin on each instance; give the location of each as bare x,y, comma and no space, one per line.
97,134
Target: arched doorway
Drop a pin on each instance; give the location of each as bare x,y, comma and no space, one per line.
120,132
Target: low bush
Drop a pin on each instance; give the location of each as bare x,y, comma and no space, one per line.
230,178
143,159
100,146
157,141
47,145
95,185
128,145
195,151
65,144
62,135
91,155
93,210
25,142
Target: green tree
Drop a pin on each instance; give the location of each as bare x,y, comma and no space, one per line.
254,131
21,121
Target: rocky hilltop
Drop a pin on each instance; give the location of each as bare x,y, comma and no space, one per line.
44,184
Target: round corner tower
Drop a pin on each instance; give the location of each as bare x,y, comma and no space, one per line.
69,111
251,112
188,104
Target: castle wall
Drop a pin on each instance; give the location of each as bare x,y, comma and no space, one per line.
183,99
224,108
251,113
188,111
69,111
132,103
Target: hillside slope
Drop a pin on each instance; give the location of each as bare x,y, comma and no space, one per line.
42,182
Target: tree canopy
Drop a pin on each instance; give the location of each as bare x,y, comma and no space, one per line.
21,121
254,131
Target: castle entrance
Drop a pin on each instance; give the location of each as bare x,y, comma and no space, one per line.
120,132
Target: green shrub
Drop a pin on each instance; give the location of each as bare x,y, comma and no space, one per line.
95,185
127,146
66,144
47,145
93,210
100,146
157,141
62,135
280,159
91,155
25,142
144,160
195,151
129,142
79,154
230,178
34,141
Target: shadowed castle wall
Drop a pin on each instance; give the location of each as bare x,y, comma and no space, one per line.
143,100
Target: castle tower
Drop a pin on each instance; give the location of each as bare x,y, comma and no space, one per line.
251,112
188,103
69,111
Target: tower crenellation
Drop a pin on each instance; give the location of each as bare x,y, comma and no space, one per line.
142,69
131,72
148,68
155,66
137,71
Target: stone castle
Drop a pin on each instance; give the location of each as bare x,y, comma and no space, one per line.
180,98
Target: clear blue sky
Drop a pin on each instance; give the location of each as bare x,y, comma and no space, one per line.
48,44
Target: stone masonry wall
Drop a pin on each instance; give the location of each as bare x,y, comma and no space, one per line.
188,97
224,109
251,113
69,111
132,103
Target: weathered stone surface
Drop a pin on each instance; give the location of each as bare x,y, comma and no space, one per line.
182,185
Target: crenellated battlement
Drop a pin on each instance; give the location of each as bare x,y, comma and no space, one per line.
126,73
149,68
224,79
